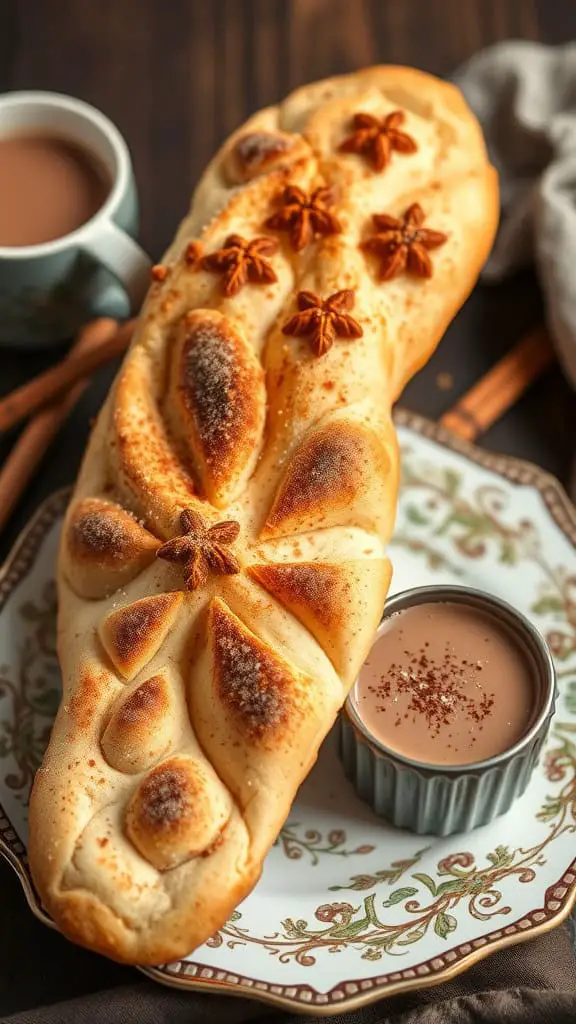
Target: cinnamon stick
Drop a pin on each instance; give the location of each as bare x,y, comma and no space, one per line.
80,362
501,387
35,439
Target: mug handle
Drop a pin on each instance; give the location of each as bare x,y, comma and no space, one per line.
124,258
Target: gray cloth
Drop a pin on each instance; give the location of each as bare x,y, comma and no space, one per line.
524,95
532,983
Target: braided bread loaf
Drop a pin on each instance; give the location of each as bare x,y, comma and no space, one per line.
222,568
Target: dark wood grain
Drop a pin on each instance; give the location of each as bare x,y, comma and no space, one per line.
177,76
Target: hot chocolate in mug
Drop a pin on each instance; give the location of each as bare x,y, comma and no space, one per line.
48,290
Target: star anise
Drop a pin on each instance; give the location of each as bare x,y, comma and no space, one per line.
241,261
201,549
304,216
401,243
376,138
323,320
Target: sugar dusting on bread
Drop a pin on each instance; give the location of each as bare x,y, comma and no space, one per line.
326,470
323,588
177,812
105,531
134,624
251,681
144,703
209,382
216,402
132,634
99,533
165,796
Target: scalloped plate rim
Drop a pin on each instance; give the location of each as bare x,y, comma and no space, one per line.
509,467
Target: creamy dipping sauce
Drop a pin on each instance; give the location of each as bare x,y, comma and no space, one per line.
446,684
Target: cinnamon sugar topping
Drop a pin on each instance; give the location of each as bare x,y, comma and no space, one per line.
251,681
100,532
210,372
192,253
164,797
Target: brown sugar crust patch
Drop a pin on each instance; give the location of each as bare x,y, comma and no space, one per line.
140,729
262,152
133,634
93,686
256,152
146,462
254,685
177,812
329,471
337,603
321,588
105,547
217,389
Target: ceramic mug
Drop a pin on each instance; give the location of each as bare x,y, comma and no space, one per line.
48,291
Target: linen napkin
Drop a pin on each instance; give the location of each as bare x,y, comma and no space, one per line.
524,95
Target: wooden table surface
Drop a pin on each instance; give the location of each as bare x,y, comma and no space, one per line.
177,76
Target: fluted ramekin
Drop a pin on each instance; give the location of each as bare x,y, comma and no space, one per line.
442,799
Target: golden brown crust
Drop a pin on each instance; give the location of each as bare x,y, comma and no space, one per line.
141,729
132,635
254,714
104,547
199,685
217,398
177,812
328,479
141,453
255,152
91,691
334,601
254,688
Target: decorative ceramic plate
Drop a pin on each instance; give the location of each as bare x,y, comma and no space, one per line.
349,910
